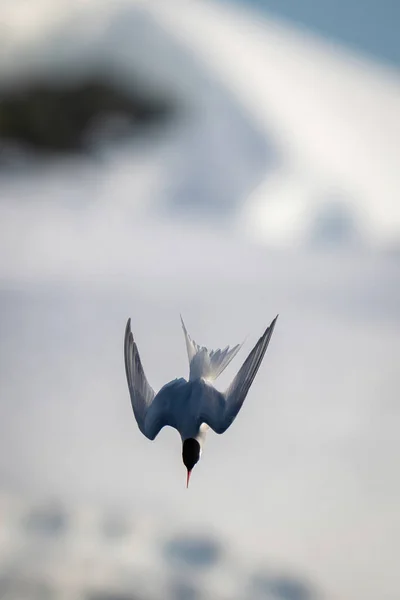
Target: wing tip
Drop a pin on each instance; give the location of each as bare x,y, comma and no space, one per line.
128,326
269,330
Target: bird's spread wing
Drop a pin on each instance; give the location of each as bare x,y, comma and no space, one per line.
219,410
167,407
142,394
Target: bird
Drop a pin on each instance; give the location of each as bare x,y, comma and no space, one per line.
192,406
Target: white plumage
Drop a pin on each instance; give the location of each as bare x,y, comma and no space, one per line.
189,405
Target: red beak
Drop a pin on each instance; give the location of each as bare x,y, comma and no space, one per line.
188,477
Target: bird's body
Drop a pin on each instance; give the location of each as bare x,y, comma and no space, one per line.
191,406
180,399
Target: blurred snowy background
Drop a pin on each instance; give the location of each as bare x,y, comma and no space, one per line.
230,161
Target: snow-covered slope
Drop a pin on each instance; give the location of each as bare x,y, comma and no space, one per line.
334,116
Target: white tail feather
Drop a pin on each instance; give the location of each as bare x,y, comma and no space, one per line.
204,363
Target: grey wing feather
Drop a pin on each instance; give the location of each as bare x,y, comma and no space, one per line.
237,391
220,410
141,393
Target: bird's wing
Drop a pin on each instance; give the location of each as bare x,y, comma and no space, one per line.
220,410
166,407
142,394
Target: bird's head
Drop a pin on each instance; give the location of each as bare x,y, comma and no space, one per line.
191,452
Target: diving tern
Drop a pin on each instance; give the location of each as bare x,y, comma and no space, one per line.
193,406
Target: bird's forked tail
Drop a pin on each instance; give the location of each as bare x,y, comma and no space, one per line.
204,363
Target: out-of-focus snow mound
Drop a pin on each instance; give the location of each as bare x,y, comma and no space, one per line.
205,164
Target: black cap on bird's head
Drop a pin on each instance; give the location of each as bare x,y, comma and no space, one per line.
190,454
